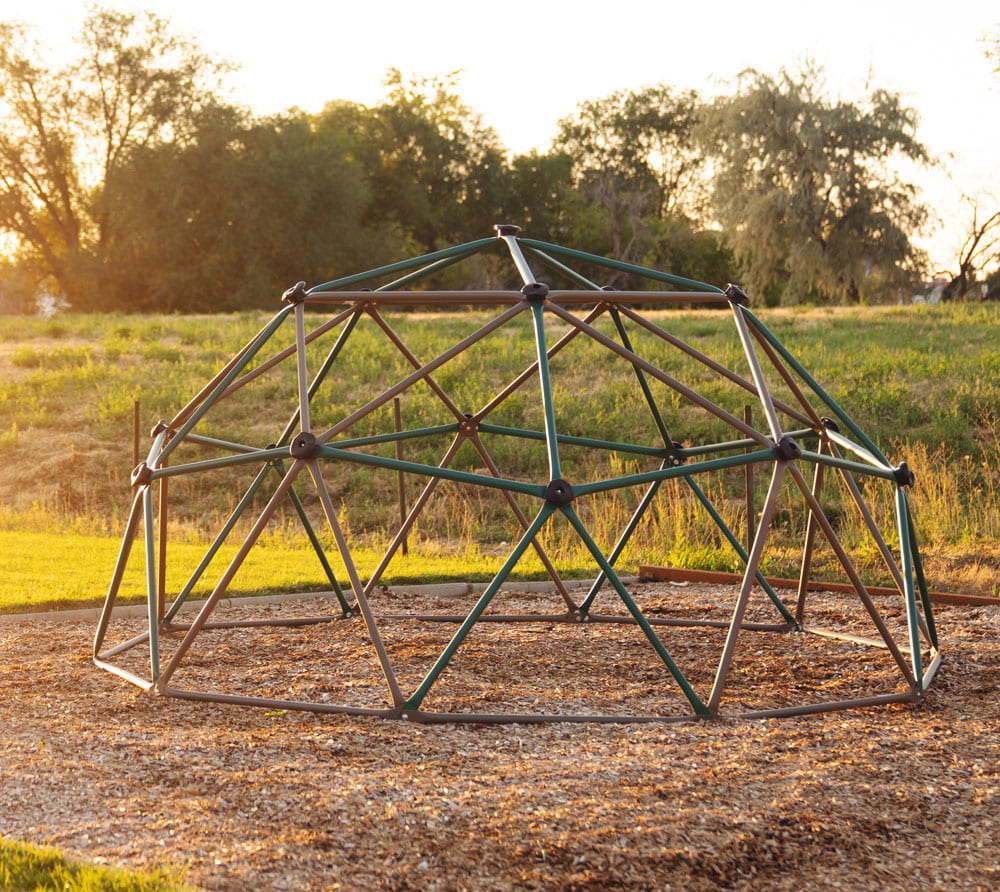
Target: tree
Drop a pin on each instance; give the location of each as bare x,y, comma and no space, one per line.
805,188
239,213
66,136
979,252
434,168
634,159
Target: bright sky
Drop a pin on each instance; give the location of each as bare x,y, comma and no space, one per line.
526,65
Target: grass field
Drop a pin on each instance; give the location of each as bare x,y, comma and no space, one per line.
26,868
922,382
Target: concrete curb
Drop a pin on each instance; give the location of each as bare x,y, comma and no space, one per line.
434,590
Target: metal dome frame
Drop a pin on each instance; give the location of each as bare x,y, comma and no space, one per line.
810,429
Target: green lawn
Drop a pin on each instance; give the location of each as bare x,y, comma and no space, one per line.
923,382
26,868
47,571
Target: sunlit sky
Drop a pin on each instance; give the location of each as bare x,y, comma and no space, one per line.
526,65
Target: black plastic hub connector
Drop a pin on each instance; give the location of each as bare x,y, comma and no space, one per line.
503,229
830,424
159,428
296,294
142,474
303,446
535,292
675,459
736,294
903,474
559,492
788,449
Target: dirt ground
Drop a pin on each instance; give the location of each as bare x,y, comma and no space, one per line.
889,797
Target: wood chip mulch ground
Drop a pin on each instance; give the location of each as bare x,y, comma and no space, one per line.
891,797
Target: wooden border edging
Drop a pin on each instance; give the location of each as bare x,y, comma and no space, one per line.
676,574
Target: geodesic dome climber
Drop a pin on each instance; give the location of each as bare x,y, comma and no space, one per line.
615,650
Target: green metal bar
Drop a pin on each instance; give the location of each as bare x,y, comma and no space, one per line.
403,265
733,539
619,546
374,635
813,384
621,266
545,384
227,379
733,461
124,550
395,437
231,570
293,425
847,465
906,564
217,543
227,461
654,451
633,608
317,546
567,271
392,464
151,587
643,383
921,580
734,445
429,269
221,444
415,699
657,373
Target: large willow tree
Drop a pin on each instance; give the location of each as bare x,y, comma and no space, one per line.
808,192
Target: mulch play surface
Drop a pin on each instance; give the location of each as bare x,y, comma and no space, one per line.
891,797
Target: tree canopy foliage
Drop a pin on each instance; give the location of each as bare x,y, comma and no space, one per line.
806,188
127,182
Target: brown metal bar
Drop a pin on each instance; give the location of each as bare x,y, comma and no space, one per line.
523,520
852,574
300,365
411,518
286,352
124,550
655,372
532,369
477,444
359,589
749,580
813,420
397,426
763,391
718,577
748,493
184,414
422,372
230,572
499,297
832,706
271,703
707,361
805,567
